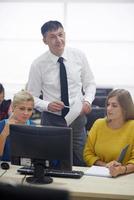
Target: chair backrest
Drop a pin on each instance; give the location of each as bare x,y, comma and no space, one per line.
19,192
98,106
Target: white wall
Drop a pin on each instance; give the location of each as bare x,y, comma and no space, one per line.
104,30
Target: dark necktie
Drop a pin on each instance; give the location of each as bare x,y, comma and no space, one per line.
64,86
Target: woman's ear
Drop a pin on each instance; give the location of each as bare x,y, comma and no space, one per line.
10,110
12,107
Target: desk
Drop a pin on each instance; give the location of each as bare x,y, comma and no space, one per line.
86,188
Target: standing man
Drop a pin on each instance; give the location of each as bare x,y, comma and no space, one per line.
44,77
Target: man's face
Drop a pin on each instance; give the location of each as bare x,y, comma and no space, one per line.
56,41
1,97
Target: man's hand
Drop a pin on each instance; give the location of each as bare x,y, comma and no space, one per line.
55,106
86,108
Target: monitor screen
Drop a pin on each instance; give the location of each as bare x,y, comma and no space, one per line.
46,147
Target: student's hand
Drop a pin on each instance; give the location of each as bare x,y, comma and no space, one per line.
113,163
117,170
12,119
86,108
55,106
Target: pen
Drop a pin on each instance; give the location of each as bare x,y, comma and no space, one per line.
66,106
123,153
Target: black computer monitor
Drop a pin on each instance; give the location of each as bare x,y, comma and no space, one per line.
46,146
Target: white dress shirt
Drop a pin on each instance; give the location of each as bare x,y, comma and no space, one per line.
44,76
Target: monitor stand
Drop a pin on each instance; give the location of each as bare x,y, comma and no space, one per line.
39,175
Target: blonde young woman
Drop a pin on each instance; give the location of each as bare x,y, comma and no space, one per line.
109,135
22,109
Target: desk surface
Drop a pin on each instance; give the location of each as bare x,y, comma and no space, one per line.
88,187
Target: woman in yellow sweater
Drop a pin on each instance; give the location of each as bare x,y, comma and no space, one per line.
109,135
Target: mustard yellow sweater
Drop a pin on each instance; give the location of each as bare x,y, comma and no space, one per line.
106,144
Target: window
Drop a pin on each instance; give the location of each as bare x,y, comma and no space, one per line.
103,29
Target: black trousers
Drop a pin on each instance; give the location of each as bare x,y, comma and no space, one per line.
79,133
50,119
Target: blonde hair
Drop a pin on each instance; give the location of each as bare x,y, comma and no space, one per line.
125,100
22,96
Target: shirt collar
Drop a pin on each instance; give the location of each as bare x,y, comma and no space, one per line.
55,58
64,55
27,122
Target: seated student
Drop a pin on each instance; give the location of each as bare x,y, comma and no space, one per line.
5,105
22,108
109,135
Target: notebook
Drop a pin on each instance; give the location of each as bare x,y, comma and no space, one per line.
97,171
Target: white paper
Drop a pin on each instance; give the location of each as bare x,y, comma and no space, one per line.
97,171
74,111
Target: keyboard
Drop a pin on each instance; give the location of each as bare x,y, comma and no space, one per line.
53,173
65,174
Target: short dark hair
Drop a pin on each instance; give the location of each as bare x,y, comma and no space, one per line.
50,26
2,88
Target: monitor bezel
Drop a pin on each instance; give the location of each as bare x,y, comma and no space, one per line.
22,136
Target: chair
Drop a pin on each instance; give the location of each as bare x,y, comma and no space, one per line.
23,192
98,106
